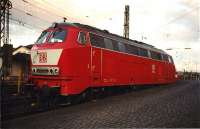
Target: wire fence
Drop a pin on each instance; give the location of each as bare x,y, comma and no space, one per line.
189,75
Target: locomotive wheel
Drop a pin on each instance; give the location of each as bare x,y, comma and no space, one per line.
108,91
75,99
101,93
46,98
89,95
52,101
134,88
84,96
42,102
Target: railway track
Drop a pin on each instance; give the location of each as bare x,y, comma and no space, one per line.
14,106
20,105
172,106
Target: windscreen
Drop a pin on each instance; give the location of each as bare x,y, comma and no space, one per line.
42,37
58,36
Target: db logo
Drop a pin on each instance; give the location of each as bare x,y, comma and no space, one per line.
42,57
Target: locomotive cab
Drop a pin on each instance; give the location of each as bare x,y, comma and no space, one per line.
55,59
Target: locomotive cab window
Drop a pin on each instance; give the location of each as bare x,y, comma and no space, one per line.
170,59
82,38
58,36
42,37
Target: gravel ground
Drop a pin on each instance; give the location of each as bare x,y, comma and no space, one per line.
176,105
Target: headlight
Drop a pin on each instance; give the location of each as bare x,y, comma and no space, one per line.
56,71
33,70
51,71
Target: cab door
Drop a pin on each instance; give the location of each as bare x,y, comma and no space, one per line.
97,43
81,62
96,66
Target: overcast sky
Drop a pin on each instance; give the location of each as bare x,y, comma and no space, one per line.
164,23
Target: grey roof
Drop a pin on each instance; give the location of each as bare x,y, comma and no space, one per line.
106,33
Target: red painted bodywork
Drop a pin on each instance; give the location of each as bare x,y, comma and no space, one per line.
84,66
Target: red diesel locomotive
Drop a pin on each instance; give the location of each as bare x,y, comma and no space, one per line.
72,57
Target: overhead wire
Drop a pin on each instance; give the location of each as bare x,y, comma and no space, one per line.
54,7
160,28
177,18
52,12
62,10
31,15
55,14
24,24
40,9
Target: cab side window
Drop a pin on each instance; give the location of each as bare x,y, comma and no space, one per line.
97,41
170,59
82,38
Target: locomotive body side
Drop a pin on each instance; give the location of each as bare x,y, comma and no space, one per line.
120,69
111,67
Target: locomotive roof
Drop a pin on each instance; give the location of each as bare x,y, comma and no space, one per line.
113,36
